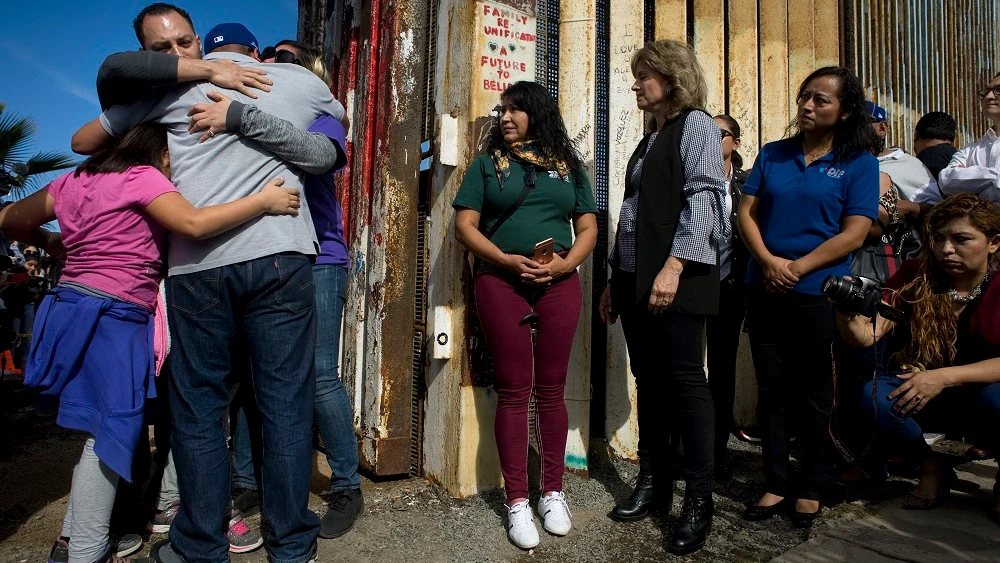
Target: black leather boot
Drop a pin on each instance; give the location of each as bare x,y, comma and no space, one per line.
693,526
639,504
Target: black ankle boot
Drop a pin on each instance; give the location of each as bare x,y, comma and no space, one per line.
638,505
693,525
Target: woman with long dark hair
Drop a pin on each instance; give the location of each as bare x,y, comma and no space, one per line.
946,377
515,210
809,202
93,349
665,282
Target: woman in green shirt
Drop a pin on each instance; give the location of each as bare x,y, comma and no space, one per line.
527,187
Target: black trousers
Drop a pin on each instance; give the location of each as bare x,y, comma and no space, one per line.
723,334
790,338
665,352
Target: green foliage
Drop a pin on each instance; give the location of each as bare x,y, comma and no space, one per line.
20,171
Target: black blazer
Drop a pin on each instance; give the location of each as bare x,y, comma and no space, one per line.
660,206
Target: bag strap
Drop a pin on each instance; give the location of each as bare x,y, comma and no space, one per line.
529,184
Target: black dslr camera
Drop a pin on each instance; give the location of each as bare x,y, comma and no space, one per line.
860,295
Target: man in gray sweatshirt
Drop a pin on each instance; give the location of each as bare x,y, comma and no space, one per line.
254,282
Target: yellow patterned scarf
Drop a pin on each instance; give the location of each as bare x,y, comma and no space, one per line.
530,152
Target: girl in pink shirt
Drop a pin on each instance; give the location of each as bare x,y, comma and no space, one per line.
93,332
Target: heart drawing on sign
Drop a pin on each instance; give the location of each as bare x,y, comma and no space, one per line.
512,47
493,46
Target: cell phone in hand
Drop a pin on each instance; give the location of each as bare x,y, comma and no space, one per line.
543,251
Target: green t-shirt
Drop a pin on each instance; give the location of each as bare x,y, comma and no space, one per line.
547,212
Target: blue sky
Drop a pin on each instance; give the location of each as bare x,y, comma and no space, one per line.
53,48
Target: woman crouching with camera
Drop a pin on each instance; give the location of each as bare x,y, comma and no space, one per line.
516,207
947,377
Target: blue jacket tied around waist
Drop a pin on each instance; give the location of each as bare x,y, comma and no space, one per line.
96,356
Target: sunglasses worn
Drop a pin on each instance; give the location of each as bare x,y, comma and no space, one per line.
284,56
985,91
727,134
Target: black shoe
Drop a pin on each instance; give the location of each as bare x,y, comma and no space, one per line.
804,519
640,503
755,513
693,525
345,506
246,501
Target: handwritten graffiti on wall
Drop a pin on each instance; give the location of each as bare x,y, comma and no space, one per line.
505,49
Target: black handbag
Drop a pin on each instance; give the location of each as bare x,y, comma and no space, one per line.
880,259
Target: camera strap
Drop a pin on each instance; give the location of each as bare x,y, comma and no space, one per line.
834,425
529,184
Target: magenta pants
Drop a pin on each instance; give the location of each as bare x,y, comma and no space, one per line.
502,302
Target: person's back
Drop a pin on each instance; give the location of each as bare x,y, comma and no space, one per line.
112,245
229,166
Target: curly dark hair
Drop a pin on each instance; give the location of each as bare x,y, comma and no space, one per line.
853,135
545,123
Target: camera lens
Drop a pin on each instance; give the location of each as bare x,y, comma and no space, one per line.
838,289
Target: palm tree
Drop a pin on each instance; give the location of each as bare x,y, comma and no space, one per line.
20,174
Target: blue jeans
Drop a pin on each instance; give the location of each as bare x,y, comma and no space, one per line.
972,410
334,415
270,301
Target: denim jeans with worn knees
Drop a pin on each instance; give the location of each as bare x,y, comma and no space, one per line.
334,415
271,301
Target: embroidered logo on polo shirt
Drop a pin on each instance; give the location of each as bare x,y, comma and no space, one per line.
834,172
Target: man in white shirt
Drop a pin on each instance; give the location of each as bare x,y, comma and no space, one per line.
918,191
976,167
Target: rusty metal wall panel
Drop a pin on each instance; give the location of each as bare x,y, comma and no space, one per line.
671,19
378,55
826,32
801,41
709,43
577,35
744,101
774,106
625,129
916,56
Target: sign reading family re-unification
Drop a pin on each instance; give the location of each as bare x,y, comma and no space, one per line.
506,45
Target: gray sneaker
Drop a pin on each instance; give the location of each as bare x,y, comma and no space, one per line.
117,547
241,538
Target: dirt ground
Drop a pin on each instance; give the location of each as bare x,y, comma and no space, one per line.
413,520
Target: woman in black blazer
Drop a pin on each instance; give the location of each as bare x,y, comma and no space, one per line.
665,281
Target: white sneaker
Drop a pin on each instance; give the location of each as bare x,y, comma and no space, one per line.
555,513
521,525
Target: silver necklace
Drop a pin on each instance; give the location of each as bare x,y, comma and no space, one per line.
962,300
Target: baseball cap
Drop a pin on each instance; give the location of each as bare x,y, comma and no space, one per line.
228,34
876,112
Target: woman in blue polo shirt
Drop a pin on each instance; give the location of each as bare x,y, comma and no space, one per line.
809,202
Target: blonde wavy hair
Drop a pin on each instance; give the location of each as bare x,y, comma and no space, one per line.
677,62
312,59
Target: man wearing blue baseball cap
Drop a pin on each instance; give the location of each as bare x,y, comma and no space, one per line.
255,281
231,34
917,189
